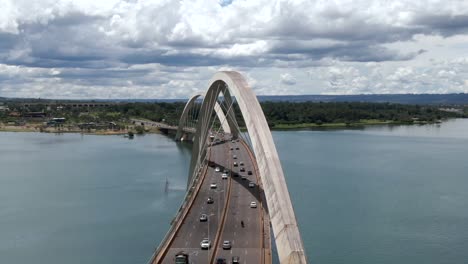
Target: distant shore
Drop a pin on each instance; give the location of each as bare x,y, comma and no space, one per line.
39,129
72,129
362,123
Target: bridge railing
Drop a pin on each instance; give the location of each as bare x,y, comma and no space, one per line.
179,215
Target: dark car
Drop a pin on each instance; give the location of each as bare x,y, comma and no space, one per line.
182,258
235,260
220,261
242,169
210,200
249,173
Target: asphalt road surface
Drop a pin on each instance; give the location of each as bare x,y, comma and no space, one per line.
246,241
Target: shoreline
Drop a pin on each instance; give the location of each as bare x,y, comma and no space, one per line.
355,125
280,127
36,129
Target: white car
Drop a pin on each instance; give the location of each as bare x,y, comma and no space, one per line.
205,244
251,185
213,186
224,176
253,204
217,169
203,218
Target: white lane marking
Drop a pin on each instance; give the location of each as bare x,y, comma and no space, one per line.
245,252
190,235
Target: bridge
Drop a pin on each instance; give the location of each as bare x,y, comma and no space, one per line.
236,192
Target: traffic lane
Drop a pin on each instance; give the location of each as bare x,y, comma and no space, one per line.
219,199
246,241
248,166
193,231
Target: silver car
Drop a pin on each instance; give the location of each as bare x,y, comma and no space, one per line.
226,244
205,244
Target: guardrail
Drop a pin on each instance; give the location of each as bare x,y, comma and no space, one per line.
187,203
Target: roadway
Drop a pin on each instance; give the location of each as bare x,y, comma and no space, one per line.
232,199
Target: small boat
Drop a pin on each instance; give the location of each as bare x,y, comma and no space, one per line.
130,135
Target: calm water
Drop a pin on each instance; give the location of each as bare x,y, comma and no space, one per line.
379,195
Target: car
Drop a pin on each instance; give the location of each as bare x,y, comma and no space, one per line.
235,260
233,141
220,261
181,258
213,186
243,177
232,148
224,176
205,243
249,173
203,218
234,157
226,244
253,204
235,164
241,163
225,171
251,185
209,200
242,169
237,148
217,169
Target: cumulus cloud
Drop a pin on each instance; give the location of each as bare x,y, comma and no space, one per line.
88,47
288,79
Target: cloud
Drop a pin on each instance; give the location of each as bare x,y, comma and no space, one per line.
88,43
287,79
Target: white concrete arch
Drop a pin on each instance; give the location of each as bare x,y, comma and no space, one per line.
283,220
219,112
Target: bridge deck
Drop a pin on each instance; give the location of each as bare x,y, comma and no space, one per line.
232,199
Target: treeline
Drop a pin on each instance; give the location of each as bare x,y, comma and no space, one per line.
277,113
350,112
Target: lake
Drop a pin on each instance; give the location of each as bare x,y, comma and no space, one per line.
375,195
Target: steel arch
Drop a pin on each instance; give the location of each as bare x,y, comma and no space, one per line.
283,220
219,112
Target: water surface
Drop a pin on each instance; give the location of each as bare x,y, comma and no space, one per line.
379,195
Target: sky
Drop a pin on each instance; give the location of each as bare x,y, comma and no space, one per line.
78,49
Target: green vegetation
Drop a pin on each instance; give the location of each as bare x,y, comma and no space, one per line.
280,115
299,115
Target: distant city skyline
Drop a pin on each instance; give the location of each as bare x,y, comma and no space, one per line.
170,49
